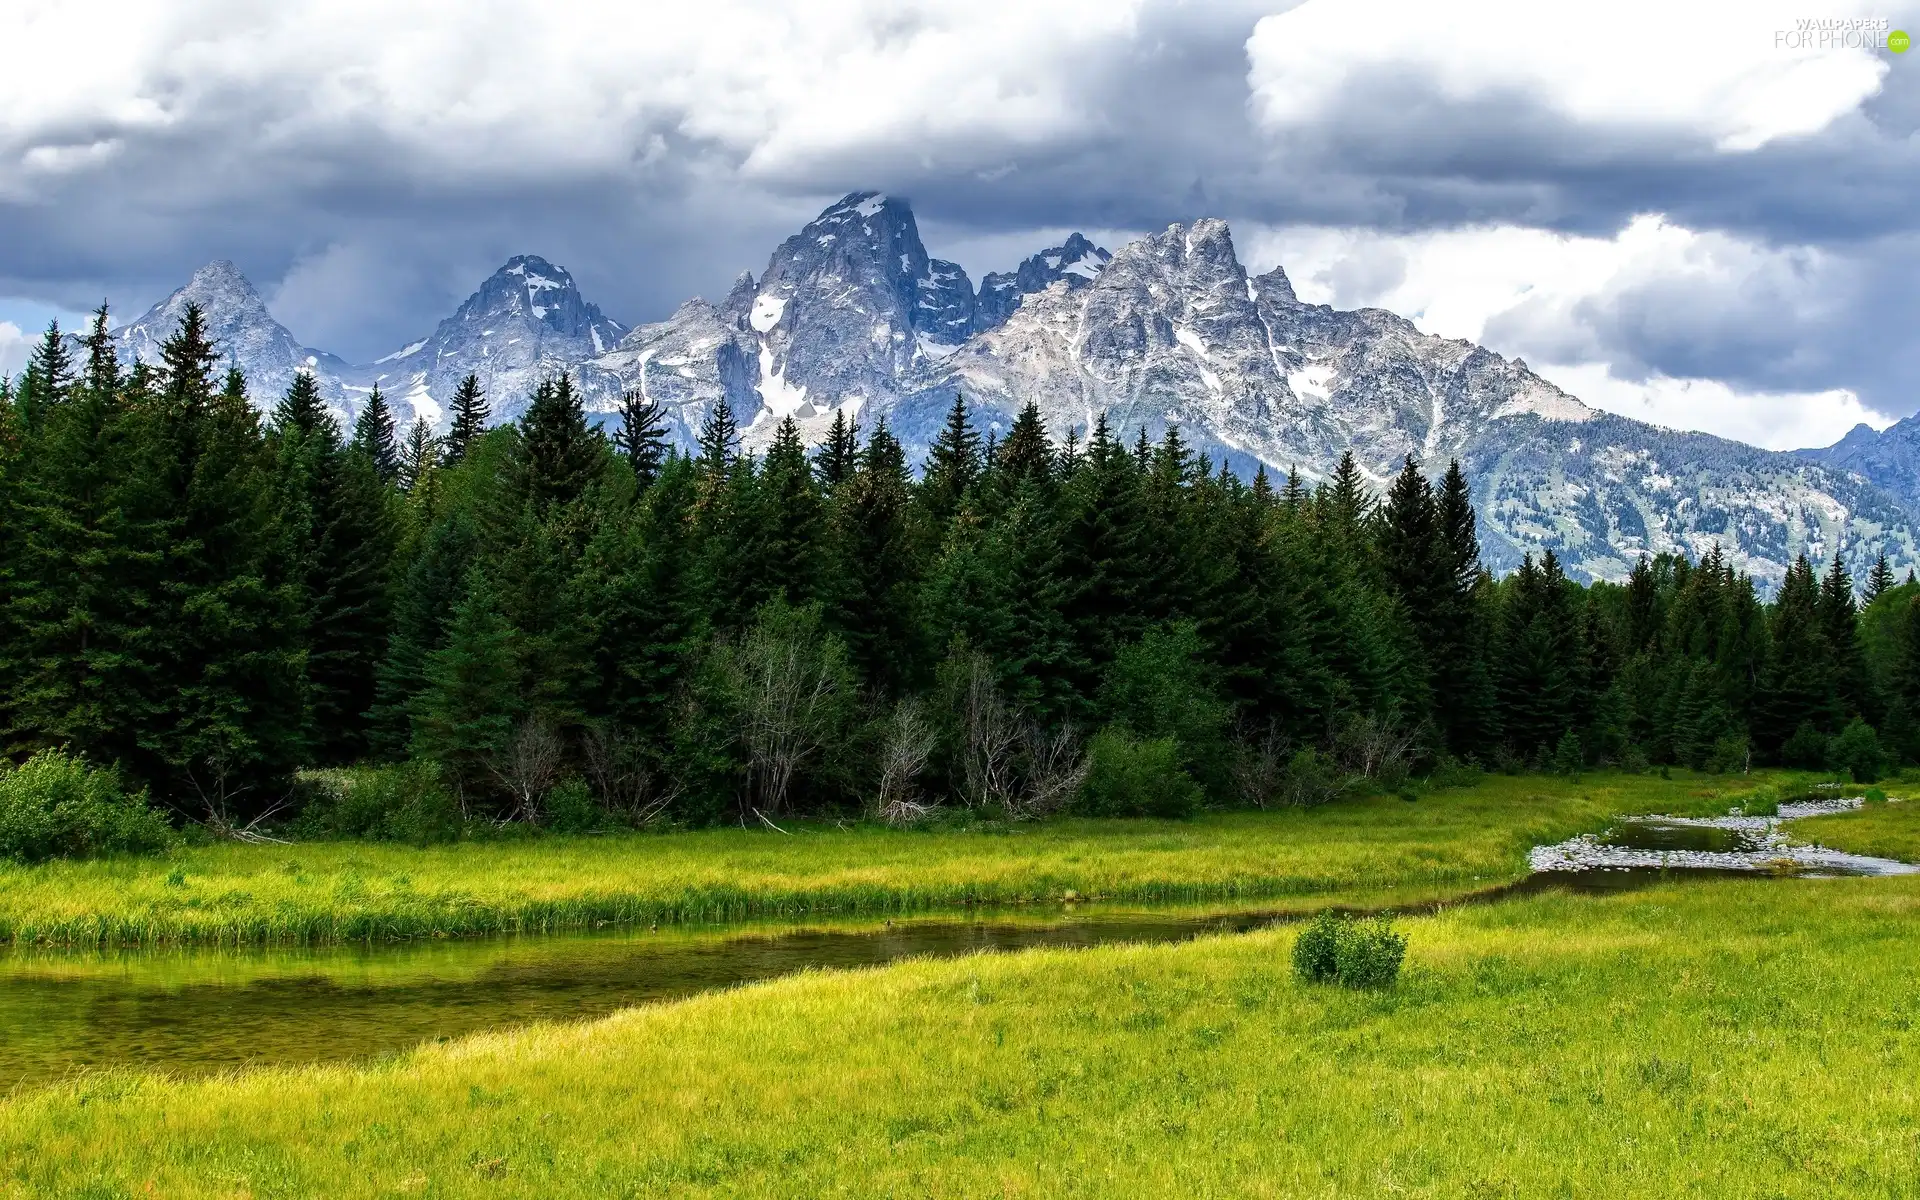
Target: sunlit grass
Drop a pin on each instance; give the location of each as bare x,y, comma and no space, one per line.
1889,830
347,891
1714,1039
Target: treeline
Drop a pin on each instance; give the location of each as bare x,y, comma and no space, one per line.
211,601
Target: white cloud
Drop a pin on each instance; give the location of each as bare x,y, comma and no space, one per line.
1775,420
521,87
1705,69
15,348
1659,322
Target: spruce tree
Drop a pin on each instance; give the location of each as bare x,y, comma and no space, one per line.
559,456
719,441
1027,454
463,719
790,518
1840,622
875,571
1879,579
642,438
470,417
418,455
838,457
46,380
301,410
953,463
375,437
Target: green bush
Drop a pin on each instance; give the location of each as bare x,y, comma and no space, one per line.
406,802
1729,755
570,808
1857,749
1452,773
1369,954
1128,777
1334,948
1875,796
1806,748
55,805
1764,802
1316,952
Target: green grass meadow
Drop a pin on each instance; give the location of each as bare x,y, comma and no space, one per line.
1711,1039
1708,1037
1448,841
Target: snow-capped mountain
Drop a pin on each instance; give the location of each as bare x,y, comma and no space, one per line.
527,322
847,308
246,335
1174,332
852,313
1077,261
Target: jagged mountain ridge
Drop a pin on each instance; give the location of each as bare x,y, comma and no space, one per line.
1888,458
853,314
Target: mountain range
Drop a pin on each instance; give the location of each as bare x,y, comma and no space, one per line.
852,314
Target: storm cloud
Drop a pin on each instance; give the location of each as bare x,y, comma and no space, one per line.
1654,199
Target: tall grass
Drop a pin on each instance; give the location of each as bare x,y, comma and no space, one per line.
232,894
1723,1039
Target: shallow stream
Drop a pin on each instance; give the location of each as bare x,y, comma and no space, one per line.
194,1010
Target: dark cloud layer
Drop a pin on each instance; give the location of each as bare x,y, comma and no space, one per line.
363,236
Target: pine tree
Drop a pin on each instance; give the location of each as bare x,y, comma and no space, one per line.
1797,686
559,456
953,463
875,571
464,717
1027,454
1349,503
418,455
470,417
838,457
642,438
374,436
1840,622
790,518
301,409
424,601
1879,579
719,441
46,380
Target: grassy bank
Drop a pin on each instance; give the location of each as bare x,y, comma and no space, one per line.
1882,830
343,891
1713,1038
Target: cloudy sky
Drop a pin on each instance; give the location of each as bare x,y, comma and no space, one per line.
1667,208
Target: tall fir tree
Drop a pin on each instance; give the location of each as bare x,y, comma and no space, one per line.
470,416
418,455
642,437
374,436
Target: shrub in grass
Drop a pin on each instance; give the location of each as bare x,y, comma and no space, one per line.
1764,802
1369,953
406,802
1132,777
55,805
1806,748
1316,951
570,807
1357,954
1857,749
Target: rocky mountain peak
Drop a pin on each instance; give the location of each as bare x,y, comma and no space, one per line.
1076,261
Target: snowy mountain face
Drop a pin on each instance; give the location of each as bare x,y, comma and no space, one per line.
527,322
846,309
852,314
246,335
1888,458
1174,332
1077,261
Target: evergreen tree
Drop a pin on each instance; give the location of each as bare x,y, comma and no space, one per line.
719,442
463,719
1840,621
418,455
838,457
953,463
560,458
642,439
470,417
45,382
374,436
301,410
1879,579
1027,454
874,566
790,518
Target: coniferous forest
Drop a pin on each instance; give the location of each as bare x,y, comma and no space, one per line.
535,613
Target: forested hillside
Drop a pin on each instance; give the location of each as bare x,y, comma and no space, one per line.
212,601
